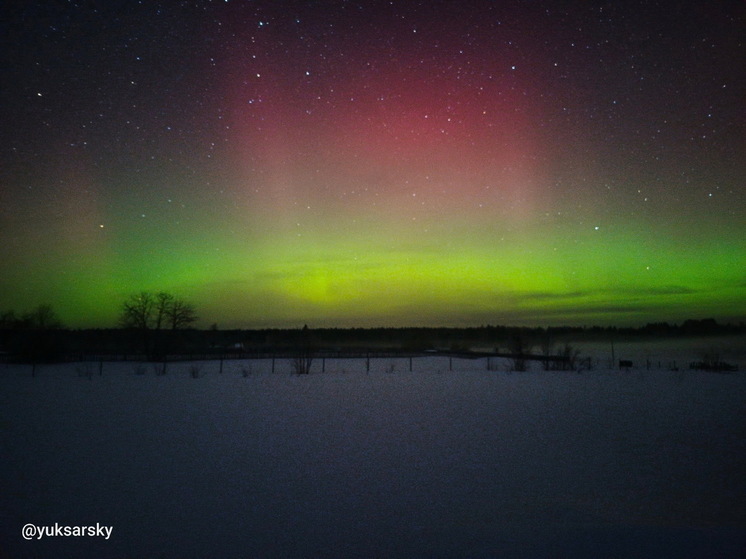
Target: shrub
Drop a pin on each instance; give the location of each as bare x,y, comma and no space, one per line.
302,363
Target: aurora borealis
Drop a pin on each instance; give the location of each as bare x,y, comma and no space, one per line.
376,163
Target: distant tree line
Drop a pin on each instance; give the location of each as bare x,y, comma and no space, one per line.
31,336
39,335
42,317
155,325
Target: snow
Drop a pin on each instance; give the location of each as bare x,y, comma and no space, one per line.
387,463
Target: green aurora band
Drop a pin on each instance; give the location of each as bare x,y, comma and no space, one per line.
384,166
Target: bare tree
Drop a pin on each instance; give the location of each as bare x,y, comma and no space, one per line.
570,358
305,352
180,314
519,349
163,304
43,317
137,311
146,311
137,314
547,349
36,338
150,314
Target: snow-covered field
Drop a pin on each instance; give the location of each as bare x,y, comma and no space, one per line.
387,463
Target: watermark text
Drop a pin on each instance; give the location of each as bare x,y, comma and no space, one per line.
34,532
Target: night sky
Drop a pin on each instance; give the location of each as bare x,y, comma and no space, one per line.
375,163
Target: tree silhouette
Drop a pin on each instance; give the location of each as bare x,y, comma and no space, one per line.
146,311
43,317
180,314
137,312
150,313
163,302
305,352
33,336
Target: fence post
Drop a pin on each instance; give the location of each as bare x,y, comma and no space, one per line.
410,363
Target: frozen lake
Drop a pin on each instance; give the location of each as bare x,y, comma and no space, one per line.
391,463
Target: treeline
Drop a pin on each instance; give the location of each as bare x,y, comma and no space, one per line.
488,337
42,317
150,326
30,336
23,341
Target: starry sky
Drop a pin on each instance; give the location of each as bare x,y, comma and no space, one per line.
371,163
